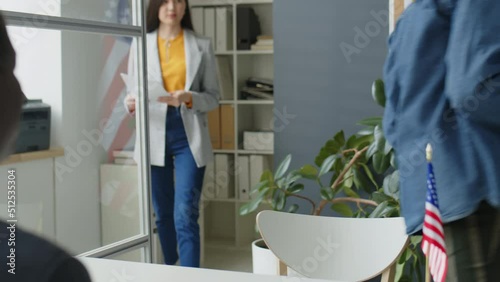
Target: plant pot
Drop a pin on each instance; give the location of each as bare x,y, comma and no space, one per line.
264,261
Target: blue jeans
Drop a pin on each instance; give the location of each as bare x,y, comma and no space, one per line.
176,203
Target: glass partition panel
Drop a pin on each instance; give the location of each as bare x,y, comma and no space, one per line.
77,183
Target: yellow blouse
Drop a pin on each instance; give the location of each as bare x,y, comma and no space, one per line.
173,63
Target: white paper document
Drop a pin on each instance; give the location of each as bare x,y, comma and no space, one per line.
155,88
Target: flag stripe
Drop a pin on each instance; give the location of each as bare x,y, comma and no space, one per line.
433,243
111,88
122,136
119,51
434,212
428,223
114,91
109,42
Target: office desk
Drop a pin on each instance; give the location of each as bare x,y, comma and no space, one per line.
103,270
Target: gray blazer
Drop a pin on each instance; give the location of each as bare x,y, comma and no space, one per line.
201,80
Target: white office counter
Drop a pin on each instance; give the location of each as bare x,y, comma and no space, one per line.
104,270
34,190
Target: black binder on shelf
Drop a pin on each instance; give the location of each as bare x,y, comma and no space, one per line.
248,28
249,93
261,83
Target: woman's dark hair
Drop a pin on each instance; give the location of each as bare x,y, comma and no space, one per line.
153,22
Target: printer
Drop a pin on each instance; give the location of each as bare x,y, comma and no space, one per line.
34,129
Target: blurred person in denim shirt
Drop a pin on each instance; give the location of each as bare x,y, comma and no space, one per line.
442,79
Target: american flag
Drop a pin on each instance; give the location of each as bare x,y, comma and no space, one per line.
433,243
119,126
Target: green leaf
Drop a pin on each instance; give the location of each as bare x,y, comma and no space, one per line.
402,258
399,272
416,265
331,146
296,188
309,172
394,183
351,142
362,142
283,167
360,180
342,209
379,138
338,165
293,208
244,209
364,132
373,121
274,200
349,192
281,201
415,240
387,147
388,212
327,193
348,181
320,158
324,195
369,174
292,177
378,210
267,175
327,165
251,207
281,183
264,191
405,278
340,138
377,160
258,187
393,160
408,255
380,197
380,162
371,150
378,92
391,184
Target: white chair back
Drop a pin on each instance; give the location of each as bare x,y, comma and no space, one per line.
345,249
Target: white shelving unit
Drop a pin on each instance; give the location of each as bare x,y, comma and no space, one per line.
223,227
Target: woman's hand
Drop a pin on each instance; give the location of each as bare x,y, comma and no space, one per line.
130,101
176,98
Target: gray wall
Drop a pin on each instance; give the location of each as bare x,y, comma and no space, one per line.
323,88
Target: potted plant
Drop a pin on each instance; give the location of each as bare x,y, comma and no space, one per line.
363,181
